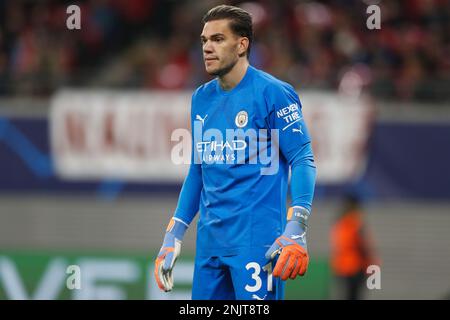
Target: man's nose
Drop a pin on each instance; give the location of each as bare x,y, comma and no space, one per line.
207,48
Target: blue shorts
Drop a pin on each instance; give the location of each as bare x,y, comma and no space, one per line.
246,276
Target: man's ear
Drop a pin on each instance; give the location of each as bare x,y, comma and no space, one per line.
243,46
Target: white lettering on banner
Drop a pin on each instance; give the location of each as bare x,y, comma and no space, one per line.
139,136
101,135
12,283
340,129
98,270
101,279
47,289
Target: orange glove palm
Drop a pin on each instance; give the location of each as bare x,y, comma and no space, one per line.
293,259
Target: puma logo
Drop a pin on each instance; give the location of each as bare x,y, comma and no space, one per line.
297,130
197,117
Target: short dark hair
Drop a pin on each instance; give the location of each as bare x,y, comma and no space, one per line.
240,20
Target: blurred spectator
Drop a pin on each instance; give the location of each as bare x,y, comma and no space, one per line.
310,44
351,249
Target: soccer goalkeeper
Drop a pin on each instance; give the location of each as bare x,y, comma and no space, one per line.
248,242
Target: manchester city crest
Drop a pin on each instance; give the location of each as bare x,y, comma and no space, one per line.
241,119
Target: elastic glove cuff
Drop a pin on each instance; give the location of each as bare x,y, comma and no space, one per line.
177,228
299,214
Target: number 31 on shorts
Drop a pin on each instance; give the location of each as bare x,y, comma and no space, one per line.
256,275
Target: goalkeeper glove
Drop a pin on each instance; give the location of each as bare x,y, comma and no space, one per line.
291,246
169,253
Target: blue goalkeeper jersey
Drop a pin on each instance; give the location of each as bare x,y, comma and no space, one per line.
244,142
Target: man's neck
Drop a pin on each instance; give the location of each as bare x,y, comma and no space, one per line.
232,78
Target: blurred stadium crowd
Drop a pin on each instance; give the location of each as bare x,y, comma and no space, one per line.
154,44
